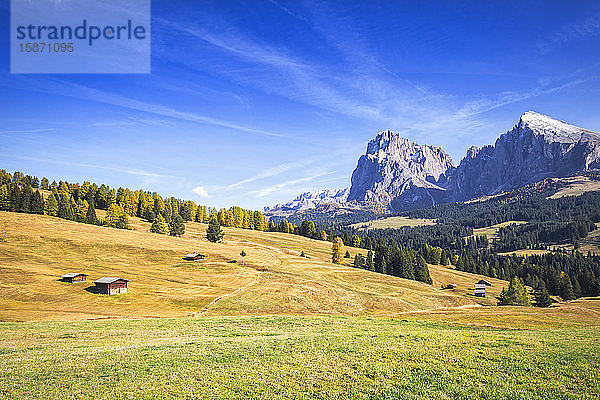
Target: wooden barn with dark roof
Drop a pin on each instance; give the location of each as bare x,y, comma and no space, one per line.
74,277
194,257
111,285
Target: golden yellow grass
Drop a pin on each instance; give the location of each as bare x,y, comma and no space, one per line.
576,186
491,231
465,281
274,279
393,222
578,313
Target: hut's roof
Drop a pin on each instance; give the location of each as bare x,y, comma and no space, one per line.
193,255
484,282
108,279
73,275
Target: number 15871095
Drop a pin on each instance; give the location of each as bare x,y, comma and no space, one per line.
42,47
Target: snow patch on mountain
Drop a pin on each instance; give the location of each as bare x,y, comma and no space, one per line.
308,200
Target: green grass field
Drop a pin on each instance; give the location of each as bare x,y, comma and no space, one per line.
294,358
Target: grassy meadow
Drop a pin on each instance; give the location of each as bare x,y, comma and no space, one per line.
278,326
294,358
393,222
273,280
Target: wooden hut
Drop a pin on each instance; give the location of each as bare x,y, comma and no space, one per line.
110,285
194,257
480,286
74,277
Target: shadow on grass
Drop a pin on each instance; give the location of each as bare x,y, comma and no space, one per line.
91,289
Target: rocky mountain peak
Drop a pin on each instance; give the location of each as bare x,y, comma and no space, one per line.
400,173
538,147
403,175
472,152
551,129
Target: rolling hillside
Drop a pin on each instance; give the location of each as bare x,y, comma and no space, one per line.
274,279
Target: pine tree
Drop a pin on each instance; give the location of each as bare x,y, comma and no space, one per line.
576,289
542,299
566,288
25,200
369,261
159,225
421,270
81,209
52,205
444,259
337,251
214,233
347,254
243,254
37,203
168,212
515,295
176,226
150,216
90,216
14,196
65,210
359,261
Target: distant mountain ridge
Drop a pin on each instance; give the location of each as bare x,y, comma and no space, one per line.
404,175
538,147
308,200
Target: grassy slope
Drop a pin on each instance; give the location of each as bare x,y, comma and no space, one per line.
274,280
491,231
394,222
576,186
465,352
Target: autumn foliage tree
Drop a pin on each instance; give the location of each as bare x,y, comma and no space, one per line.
159,225
515,295
116,217
337,251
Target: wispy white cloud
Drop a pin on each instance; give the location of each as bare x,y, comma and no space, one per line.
134,120
70,89
288,76
277,187
581,29
25,131
202,192
124,170
268,173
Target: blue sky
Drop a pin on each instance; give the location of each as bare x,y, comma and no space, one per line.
250,103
